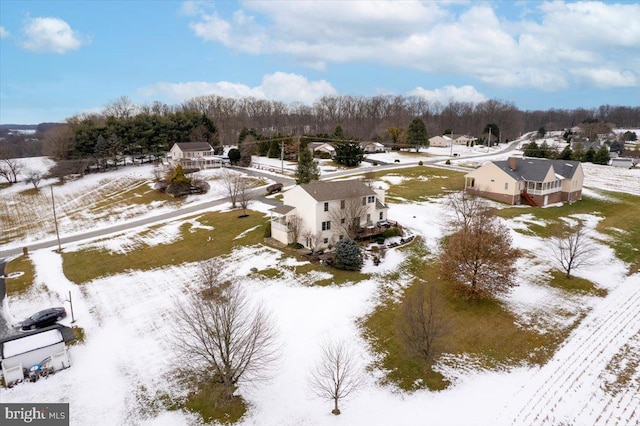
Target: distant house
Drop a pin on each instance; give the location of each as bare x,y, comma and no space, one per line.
319,205
372,147
44,348
533,181
194,155
464,139
440,141
621,162
322,147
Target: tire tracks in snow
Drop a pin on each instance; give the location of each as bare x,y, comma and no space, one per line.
562,390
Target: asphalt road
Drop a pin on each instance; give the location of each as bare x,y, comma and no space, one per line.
258,194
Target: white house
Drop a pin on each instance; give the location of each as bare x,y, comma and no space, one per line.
194,155
318,147
372,147
534,181
463,139
440,141
323,213
45,348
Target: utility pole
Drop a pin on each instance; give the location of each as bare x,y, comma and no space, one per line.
282,156
451,142
55,218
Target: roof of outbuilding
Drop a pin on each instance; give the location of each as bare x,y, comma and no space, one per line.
535,169
283,209
194,146
340,190
66,334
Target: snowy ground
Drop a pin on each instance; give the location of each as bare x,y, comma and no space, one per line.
126,360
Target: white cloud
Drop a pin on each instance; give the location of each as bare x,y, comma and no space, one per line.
3,32
50,35
447,94
279,86
605,78
540,49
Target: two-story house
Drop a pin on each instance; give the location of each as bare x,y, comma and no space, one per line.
319,214
193,155
534,181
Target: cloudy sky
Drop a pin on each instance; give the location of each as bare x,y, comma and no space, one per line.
62,58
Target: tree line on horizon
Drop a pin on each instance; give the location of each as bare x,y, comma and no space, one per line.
152,128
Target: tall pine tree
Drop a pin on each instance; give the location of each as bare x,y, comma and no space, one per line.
417,134
307,169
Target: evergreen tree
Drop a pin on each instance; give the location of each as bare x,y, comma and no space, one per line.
338,133
274,149
578,153
590,154
349,153
348,255
602,156
234,155
417,134
307,169
566,153
532,150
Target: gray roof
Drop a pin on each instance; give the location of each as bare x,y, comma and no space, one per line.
194,146
340,190
283,209
535,169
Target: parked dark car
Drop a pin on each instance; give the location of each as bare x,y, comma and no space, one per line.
43,318
272,189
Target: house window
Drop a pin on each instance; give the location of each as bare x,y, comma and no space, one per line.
326,207
364,201
368,217
326,225
326,241
371,199
341,237
342,204
506,185
381,216
342,220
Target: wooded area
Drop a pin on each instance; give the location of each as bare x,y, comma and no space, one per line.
149,129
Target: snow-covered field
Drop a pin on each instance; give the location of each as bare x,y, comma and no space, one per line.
126,362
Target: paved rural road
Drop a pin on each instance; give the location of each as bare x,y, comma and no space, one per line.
258,193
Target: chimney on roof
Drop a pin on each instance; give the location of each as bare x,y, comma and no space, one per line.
512,163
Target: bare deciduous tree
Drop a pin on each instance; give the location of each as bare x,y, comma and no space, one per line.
337,373
466,208
232,182
245,196
572,248
478,256
294,226
59,142
313,239
9,169
420,323
347,218
34,177
220,336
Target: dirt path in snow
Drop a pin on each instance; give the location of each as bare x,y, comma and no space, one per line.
569,389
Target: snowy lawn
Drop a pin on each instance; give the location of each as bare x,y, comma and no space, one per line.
125,368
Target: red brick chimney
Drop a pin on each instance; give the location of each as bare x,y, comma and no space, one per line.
512,163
